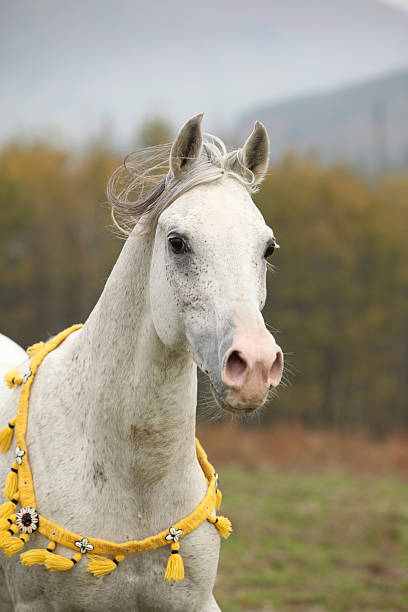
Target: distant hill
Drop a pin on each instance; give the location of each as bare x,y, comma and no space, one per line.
365,124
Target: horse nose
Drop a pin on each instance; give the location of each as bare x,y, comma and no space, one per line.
250,369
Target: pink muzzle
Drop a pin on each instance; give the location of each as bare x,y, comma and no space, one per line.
252,366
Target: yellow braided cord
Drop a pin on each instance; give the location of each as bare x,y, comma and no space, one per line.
66,538
24,471
34,349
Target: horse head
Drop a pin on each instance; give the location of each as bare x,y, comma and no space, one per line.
207,281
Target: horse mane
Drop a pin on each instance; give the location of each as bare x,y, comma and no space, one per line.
144,186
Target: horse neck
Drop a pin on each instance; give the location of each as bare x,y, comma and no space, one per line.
140,396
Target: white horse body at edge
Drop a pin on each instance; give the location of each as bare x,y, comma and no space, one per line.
112,412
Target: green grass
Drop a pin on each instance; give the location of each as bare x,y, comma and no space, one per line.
313,542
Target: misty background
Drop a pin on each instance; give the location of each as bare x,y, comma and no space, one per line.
318,73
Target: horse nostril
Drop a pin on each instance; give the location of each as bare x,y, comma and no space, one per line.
276,370
235,365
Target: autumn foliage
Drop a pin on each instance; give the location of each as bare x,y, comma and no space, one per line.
338,297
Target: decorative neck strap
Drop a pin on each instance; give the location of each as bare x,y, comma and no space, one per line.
17,526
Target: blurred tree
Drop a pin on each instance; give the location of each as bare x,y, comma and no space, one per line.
154,131
339,297
55,251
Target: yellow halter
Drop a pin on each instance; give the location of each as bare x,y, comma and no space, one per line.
17,526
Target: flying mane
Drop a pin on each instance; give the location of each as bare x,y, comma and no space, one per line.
143,186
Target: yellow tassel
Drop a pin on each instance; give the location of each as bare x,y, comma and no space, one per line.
5,523
175,565
34,348
58,563
5,536
101,566
36,556
13,377
8,508
14,545
218,499
222,524
11,486
13,529
6,435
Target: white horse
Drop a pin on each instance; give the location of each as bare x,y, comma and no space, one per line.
112,411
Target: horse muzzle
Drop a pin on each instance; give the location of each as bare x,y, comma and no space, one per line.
252,366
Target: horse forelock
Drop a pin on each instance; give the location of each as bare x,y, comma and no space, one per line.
144,186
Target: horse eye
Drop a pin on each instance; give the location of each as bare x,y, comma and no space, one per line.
269,250
177,244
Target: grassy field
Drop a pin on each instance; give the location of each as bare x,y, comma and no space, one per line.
313,542
320,519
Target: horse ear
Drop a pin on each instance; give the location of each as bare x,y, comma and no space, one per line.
187,146
255,152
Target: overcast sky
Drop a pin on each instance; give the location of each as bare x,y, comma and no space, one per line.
69,68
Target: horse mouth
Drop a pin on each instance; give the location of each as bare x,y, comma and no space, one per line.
246,408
